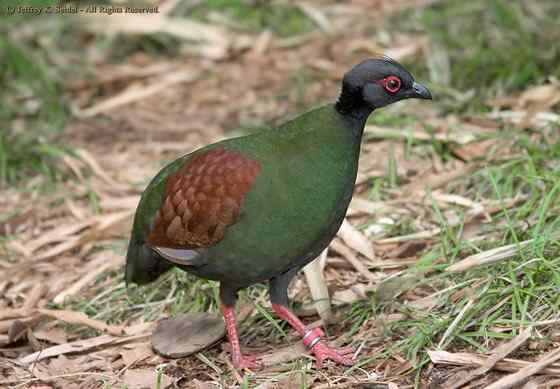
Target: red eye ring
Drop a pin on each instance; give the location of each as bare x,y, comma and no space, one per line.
392,84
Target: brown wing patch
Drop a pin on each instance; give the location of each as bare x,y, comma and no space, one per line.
203,198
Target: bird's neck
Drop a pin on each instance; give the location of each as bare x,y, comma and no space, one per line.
353,108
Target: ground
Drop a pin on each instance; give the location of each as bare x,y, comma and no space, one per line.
450,258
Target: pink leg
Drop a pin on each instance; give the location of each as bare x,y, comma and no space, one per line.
312,339
239,360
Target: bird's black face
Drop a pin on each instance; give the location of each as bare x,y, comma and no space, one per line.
380,82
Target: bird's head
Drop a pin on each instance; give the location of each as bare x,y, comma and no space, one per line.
377,82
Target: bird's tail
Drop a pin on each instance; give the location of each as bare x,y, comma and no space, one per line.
143,265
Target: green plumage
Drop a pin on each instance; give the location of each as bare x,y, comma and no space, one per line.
289,216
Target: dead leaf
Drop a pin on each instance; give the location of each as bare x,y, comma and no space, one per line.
541,98
205,384
187,333
474,150
63,365
408,249
136,354
52,335
356,240
145,379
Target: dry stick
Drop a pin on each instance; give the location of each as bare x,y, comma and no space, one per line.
72,317
79,346
26,381
15,313
415,236
434,181
91,162
468,359
533,368
317,16
134,94
391,133
86,280
471,215
499,353
354,261
489,256
37,292
59,234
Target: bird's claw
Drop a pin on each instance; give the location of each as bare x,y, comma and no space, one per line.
342,355
246,362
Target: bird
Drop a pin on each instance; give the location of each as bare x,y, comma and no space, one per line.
259,207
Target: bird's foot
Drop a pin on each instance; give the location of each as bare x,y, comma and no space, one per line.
315,343
241,361
323,352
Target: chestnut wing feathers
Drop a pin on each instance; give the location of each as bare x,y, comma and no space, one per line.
202,199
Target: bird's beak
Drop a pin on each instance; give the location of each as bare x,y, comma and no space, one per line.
419,91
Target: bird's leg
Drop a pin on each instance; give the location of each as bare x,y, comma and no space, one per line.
313,339
239,361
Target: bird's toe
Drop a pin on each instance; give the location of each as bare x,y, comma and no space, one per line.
342,356
251,362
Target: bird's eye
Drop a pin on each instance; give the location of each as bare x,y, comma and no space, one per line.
392,84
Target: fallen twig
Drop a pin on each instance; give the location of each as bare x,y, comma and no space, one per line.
399,133
531,369
80,346
468,359
98,268
499,353
489,256
134,94
62,315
